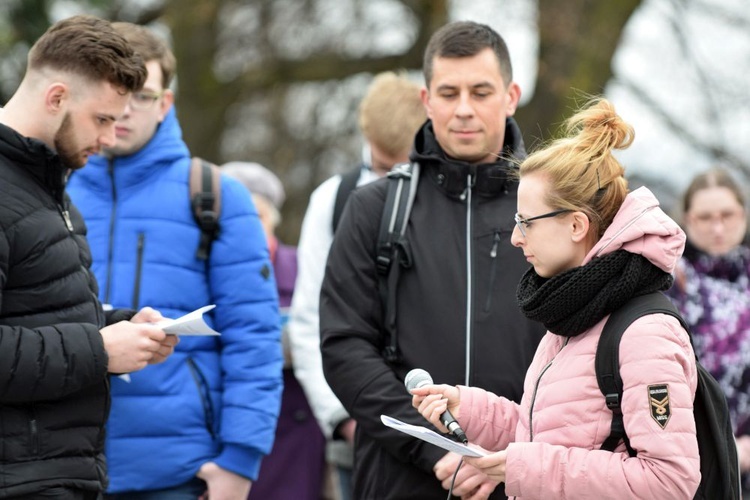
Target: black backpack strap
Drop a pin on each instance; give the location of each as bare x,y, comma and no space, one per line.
348,183
205,200
393,246
607,362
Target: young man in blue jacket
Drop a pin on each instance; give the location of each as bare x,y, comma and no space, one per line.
201,422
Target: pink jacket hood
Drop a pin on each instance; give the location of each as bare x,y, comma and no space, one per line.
642,227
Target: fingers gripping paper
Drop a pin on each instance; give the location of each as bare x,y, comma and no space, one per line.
432,437
189,324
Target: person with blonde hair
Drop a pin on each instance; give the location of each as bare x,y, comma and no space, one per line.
390,113
593,246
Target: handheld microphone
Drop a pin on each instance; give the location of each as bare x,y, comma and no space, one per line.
417,378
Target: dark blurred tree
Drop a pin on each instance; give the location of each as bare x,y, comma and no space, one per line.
29,19
207,98
239,80
262,81
577,39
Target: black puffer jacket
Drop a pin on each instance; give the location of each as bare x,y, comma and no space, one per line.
462,327
54,393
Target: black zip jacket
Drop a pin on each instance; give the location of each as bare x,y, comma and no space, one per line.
456,316
54,393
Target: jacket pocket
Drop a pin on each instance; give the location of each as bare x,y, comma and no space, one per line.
204,394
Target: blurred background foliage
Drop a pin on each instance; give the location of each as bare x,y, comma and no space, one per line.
278,82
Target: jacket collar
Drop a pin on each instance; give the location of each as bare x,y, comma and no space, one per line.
164,148
36,158
451,176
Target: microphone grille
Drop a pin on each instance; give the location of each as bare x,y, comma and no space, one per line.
417,378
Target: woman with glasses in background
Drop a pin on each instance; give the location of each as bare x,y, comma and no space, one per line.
712,291
592,246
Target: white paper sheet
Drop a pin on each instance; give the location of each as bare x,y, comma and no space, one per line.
189,324
432,437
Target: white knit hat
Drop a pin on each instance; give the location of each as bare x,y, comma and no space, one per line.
257,179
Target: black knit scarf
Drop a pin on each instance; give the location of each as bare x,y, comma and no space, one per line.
572,302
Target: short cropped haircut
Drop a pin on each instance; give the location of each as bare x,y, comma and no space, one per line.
716,177
90,47
391,113
151,48
466,39
583,173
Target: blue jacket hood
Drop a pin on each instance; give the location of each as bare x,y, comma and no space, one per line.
164,149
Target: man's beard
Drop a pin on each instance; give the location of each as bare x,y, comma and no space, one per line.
65,145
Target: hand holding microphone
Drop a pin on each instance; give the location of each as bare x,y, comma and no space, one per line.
434,402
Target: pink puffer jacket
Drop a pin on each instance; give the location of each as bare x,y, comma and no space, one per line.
553,437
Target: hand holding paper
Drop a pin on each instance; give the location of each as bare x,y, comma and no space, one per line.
432,437
189,324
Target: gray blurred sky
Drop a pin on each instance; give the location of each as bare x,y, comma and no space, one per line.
689,58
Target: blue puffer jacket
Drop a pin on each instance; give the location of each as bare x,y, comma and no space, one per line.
216,398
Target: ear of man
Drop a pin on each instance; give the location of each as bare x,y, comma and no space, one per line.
167,100
55,97
424,94
513,95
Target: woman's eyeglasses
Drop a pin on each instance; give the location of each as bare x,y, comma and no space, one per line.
524,222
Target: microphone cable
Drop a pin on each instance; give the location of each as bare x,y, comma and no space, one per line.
450,491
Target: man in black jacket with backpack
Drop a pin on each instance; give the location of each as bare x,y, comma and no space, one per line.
447,303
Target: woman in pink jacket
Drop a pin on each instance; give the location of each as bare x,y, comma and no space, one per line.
592,246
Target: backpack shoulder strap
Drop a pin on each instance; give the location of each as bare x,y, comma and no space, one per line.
205,200
396,211
607,362
392,245
348,183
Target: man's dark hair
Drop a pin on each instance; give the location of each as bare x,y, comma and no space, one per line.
90,47
466,39
150,47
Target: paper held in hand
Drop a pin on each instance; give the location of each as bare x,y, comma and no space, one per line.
432,437
189,324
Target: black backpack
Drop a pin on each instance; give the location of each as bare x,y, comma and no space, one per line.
205,200
392,245
718,453
348,184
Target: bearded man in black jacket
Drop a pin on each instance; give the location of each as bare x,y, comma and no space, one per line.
57,345
456,313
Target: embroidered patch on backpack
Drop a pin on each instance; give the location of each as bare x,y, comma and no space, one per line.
658,398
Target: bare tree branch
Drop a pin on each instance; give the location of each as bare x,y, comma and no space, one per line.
689,58
696,141
736,18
